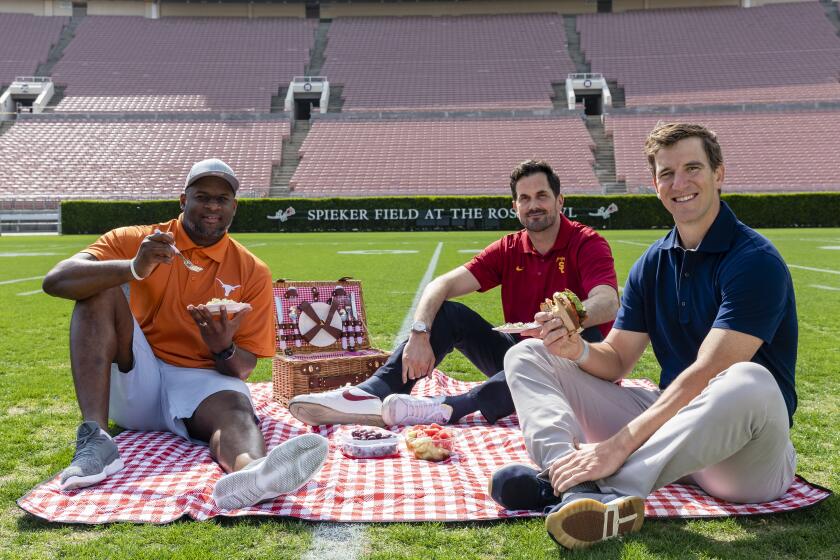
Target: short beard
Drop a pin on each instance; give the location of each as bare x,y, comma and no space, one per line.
204,236
540,225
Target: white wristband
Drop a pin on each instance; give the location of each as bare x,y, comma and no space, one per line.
134,272
583,355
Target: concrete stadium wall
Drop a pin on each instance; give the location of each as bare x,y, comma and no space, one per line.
249,10
625,5
371,9
329,10
116,8
37,8
755,3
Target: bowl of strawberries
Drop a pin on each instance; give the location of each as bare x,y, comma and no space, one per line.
430,442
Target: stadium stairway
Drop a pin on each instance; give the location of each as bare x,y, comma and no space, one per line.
558,98
617,93
832,12
573,45
57,50
336,101
278,102
281,174
604,165
5,125
317,55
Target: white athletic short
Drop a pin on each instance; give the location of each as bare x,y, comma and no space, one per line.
156,396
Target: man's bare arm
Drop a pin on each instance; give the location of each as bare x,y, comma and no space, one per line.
610,360
418,358
218,333
455,283
240,365
82,275
601,305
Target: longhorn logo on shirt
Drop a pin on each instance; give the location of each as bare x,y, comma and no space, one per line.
520,268
561,264
227,287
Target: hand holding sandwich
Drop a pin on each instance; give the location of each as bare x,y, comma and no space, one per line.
560,321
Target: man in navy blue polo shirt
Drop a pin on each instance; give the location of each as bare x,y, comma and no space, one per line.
551,253
716,302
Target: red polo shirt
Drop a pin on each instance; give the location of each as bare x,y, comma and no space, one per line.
579,260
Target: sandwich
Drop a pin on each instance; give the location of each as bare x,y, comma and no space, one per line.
567,307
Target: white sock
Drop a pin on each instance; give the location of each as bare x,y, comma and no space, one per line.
106,434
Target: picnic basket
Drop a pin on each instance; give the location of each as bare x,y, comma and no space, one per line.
322,338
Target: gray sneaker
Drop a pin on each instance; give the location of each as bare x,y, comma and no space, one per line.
95,459
285,469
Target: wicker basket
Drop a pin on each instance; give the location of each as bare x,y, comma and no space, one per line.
322,338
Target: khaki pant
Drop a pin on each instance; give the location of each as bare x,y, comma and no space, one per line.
732,440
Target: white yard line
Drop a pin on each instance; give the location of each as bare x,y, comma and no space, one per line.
346,541
336,541
632,243
409,317
16,280
821,287
32,293
826,270
27,254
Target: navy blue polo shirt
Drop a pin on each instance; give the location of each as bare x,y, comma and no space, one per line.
735,280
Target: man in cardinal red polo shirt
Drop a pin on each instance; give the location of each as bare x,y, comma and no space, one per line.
551,254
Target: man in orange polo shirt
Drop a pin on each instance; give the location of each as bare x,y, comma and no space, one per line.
148,353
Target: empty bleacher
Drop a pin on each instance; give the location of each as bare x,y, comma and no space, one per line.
452,156
769,54
25,41
127,159
762,152
198,64
447,63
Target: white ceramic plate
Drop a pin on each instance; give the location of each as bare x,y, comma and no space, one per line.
234,307
515,328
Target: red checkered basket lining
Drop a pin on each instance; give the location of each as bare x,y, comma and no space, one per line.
166,477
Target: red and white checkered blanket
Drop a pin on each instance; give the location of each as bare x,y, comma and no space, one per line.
166,477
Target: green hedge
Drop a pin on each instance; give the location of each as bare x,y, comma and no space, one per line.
449,213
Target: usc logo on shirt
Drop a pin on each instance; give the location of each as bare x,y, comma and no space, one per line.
561,264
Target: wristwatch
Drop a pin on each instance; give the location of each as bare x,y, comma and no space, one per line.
419,327
227,353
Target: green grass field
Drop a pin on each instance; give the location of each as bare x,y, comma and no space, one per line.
38,413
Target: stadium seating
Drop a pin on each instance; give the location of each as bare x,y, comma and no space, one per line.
774,53
442,63
454,156
25,41
131,159
179,64
762,152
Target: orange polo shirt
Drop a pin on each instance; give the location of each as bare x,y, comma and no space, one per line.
159,302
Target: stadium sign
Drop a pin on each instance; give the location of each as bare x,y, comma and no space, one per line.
424,216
